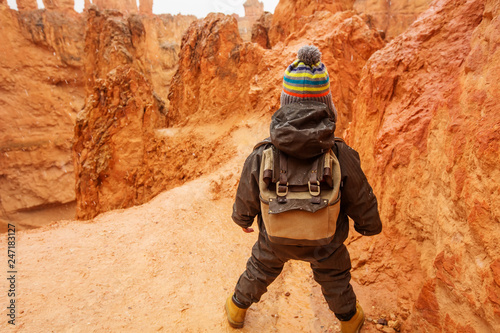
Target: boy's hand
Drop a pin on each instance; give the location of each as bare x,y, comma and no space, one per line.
248,230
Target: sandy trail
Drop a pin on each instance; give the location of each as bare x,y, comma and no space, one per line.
165,266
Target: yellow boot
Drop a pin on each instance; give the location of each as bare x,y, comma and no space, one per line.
235,315
354,324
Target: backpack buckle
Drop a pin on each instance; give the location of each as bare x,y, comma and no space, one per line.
281,190
314,190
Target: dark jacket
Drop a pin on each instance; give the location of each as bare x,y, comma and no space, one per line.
304,130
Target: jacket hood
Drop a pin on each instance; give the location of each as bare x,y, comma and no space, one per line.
304,129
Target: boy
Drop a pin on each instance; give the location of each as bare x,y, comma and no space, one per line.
303,130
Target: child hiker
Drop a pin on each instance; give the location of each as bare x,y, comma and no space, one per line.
302,184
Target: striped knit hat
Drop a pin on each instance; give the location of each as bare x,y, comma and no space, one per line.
307,78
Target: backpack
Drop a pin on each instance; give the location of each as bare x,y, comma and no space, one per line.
300,198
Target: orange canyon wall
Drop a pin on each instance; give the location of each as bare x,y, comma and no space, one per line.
43,85
427,124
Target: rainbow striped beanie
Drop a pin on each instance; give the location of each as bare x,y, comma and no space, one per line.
307,78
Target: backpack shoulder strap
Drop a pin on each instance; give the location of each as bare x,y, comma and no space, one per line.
336,150
264,142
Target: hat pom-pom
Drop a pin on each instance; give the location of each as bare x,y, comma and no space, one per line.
309,55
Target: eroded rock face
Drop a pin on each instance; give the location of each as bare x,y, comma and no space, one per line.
393,17
43,86
26,5
260,30
123,6
61,5
121,158
254,9
41,90
288,12
146,7
161,48
213,59
115,130
150,43
114,135
427,125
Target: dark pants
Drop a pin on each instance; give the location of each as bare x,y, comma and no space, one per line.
331,266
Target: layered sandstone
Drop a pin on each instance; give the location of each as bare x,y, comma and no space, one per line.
427,125
212,70
146,7
213,60
114,132
61,5
42,87
163,35
41,90
122,157
123,6
23,5
253,11
260,30
114,135
149,42
393,17
288,13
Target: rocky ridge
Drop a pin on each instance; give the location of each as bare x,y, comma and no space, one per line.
213,59
59,29
43,86
41,90
426,117
392,17
421,110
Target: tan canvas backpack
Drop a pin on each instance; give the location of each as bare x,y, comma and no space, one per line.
300,198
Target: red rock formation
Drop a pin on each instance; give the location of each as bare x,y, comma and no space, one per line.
42,87
161,48
114,135
26,5
124,6
120,158
115,130
146,7
61,5
151,43
211,62
260,30
288,12
253,8
41,90
109,43
213,59
427,125
393,17
253,11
